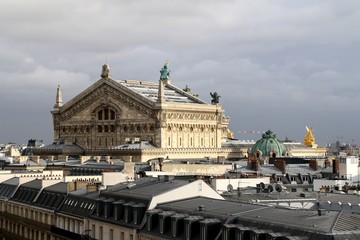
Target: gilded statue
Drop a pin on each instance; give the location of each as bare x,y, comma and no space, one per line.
309,139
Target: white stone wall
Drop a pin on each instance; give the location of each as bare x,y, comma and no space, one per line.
196,188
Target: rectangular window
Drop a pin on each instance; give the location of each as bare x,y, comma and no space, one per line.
203,233
93,230
169,141
187,231
100,233
122,236
162,223
173,227
131,236
111,234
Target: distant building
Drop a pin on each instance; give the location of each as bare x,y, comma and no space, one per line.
270,147
110,114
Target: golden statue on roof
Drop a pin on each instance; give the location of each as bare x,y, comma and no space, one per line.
309,139
230,134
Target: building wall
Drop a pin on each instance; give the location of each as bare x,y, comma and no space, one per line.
105,115
348,168
106,231
71,223
26,221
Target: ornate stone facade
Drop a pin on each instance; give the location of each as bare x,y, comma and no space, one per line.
111,112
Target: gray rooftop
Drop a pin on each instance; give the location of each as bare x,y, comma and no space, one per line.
211,207
52,197
144,188
150,91
343,225
8,187
61,147
269,169
28,192
136,145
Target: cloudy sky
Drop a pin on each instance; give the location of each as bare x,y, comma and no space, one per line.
278,65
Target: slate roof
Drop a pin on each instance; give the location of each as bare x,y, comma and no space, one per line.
210,207
79,203
150,91
60,149
269,169
343,225
52,196
238,143
291,169
137,145
27,192
142,189
8,187
336,198
347,222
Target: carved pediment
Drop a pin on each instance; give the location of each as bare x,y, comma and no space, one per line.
104,93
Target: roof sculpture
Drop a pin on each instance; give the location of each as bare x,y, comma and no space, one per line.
309,139
165,72
215,98
106,73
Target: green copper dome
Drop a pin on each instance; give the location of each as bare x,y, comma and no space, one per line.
268,146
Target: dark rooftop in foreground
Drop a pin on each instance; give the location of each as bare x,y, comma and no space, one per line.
309,223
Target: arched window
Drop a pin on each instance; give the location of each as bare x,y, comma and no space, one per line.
106,114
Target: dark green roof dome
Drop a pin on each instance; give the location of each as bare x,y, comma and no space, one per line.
269,146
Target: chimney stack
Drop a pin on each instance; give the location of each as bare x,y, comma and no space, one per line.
336,166
313,165
280,164
327,163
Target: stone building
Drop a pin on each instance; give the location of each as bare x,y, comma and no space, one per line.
112,113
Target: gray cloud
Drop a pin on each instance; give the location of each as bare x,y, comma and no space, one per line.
278,65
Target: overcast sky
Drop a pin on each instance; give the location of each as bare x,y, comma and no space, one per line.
279,65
